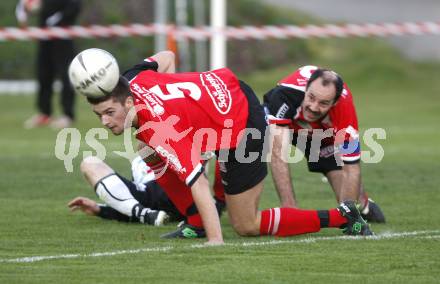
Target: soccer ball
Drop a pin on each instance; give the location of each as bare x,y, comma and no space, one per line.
94,73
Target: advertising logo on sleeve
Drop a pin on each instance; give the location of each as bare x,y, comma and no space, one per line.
218,91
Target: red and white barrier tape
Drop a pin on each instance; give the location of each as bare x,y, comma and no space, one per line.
237,33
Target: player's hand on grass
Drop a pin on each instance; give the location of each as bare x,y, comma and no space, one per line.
84,204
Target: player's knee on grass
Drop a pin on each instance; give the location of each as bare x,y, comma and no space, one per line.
243,211
245,229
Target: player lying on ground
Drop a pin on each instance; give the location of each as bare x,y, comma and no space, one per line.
173,114
313,99
140,200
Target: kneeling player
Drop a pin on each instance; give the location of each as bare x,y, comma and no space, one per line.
314,101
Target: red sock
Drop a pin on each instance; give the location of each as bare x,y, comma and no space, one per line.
180,195
284,222
195,220
336,220
219,189
363,199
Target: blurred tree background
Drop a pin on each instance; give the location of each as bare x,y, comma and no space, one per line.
17,57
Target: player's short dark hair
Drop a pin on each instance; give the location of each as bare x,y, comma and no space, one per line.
328,77
120,93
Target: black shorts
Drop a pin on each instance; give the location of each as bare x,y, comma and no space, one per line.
153,197
237,175
326,161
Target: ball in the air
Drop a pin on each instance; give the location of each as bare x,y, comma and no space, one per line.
94,73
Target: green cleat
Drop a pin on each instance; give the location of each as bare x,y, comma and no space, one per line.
355,225
186,231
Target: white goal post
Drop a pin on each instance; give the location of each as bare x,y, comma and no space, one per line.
218,40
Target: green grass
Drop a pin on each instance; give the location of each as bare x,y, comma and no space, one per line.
390,92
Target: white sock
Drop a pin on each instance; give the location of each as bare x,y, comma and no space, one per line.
115,194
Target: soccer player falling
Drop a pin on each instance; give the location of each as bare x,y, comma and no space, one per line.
184,117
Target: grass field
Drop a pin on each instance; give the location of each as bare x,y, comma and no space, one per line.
41,241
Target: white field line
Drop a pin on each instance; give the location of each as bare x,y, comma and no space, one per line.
383,236
430,237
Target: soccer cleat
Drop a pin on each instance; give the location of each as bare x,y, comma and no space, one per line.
160,218
61,122
38,120
373,213
149,216
185,231
355,224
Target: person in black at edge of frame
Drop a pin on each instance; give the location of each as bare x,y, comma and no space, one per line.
53,59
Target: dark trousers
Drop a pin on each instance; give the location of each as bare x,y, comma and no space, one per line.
54,57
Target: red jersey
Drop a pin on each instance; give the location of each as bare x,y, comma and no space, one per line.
184,115
283,107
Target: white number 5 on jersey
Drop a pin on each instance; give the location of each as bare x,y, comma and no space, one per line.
176,91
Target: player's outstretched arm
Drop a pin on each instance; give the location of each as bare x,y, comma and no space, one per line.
281,170
207,210
166,61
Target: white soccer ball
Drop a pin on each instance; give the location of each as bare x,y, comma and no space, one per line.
94,73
